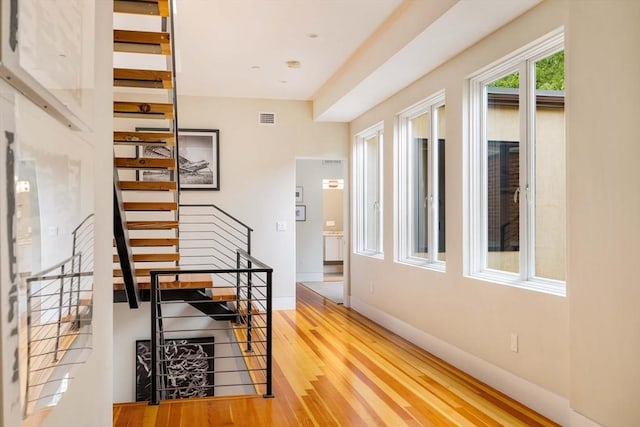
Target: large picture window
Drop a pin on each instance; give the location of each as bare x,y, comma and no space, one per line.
368,191
421,196
517,214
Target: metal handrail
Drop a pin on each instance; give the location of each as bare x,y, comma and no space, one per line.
75,230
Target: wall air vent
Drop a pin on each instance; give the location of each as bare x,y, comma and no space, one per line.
267,119
331,162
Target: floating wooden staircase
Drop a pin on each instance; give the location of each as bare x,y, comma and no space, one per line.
145,160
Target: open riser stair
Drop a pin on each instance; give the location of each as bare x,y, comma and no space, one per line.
192,262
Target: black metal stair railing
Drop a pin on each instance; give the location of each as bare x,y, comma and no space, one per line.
229,353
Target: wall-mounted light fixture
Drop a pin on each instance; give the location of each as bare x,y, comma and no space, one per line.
333,184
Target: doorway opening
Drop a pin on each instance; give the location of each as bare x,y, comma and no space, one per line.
320,227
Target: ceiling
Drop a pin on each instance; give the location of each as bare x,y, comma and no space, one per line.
352,54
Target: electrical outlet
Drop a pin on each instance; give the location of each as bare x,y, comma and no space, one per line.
514,342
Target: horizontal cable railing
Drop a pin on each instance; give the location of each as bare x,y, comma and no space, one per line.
226,333
209,236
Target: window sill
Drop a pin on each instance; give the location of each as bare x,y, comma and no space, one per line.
547,286
376,255
434,266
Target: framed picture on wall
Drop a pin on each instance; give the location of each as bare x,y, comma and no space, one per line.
188,364
299,198
301,213
198,160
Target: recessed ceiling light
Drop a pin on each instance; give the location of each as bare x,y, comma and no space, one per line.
293,64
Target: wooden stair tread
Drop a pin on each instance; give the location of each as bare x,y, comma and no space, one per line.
222,293
142,7
147,110
152,225
152,257
148,185
186,281
144,163
150,206
143,138
141,42
151,79
153,242
141,272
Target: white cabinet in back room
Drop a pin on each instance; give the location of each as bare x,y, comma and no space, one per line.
333,247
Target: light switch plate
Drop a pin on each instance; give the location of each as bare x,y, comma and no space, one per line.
281,226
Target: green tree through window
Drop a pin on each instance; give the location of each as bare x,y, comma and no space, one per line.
549,74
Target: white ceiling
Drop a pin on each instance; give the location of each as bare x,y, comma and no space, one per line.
220,40
365,50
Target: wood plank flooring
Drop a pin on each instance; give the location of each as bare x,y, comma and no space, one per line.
333,367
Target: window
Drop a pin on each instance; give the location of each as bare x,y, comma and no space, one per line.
368,191
517,170
421,196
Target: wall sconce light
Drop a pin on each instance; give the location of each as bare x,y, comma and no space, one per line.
333,184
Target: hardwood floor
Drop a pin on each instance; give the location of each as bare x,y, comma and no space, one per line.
333,367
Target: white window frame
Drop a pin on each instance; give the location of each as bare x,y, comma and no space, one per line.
360,167
406,177
476,214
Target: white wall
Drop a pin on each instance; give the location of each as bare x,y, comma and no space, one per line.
472,316
309,266
604,208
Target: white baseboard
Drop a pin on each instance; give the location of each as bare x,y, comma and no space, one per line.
283,303
541,400
578,420
310,277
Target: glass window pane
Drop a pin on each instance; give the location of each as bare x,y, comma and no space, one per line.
550,213
419,131
371,194
503,174
441,136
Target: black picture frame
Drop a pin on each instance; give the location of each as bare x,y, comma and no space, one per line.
193,376
199,159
